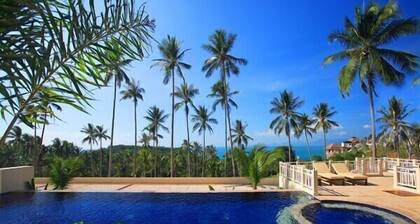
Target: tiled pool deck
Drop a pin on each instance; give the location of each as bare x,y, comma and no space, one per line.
373,194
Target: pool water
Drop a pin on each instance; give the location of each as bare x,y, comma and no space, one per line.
87,208
350,213
20,208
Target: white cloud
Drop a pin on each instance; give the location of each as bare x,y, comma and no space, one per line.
339,127
366,126
341,133
265,133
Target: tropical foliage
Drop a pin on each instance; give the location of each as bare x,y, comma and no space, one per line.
323,114
394,127
62,171
366,54
57,50
256,164
285,108
171,63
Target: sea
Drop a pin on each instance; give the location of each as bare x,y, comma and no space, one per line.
300,151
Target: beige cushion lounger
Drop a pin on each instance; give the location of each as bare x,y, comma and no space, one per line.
324,173
341,169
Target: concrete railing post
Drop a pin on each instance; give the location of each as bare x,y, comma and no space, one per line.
329,165
314,182
380,167
395,174
357,165
363,166
414,162
417,180
346,162
385,164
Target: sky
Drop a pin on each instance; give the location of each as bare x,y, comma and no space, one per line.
284,43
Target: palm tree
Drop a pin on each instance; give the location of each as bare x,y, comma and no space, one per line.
203,120
323,114
306,127
256,165
134,92
15,135
223,97
394,125
220,47
171,61
285,107
145,140
117,72
374,27
239,134
156,118
91,139
185,94
101,134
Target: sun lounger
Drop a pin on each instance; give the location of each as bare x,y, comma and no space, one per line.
341,169
325,174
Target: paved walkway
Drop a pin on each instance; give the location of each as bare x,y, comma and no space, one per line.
374,194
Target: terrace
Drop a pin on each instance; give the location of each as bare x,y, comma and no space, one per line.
392,183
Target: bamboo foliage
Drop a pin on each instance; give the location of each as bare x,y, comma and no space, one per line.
63,50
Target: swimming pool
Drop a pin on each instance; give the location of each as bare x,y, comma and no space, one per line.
151,208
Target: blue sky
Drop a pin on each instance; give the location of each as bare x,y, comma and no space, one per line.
284,42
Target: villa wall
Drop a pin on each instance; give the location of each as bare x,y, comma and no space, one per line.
163,180
15,178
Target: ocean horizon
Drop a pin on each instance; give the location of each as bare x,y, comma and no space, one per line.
301,151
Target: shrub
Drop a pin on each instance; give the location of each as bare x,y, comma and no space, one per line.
62,171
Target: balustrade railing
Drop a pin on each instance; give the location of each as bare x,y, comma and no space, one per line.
297,176
407,179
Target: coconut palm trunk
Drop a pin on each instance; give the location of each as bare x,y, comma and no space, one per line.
226,151
188,140
91,161
231,144
372,118
325,142
290,147
307,145
204,153
112,129
172,121
101,160
135,139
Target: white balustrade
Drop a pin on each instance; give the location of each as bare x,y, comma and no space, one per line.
407,179
298,177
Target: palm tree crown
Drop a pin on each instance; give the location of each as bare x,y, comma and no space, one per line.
223,96
90,131
171,61
133,91
323,114
366,57
239,134
285,108
220,46
306,127
202,120
394,125
156,118
185,94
